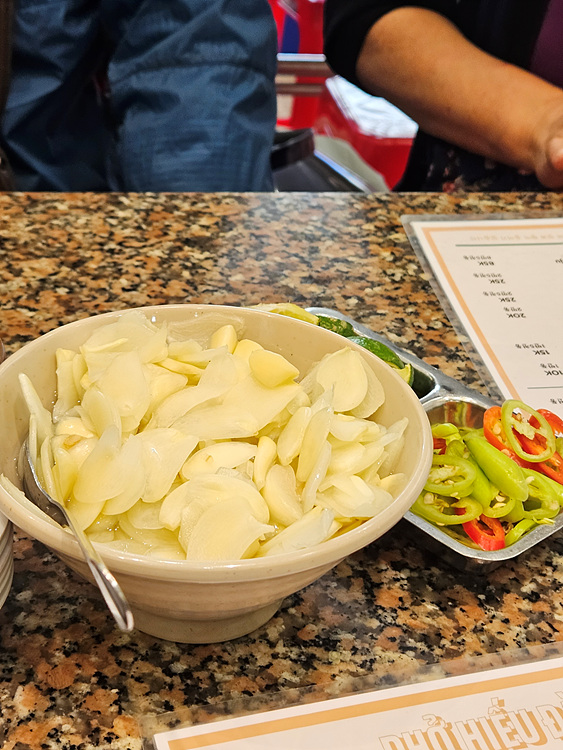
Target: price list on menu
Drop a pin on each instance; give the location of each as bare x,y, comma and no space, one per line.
503,279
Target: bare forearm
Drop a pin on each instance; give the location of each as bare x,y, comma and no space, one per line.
418,60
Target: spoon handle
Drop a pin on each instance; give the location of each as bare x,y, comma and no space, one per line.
109,587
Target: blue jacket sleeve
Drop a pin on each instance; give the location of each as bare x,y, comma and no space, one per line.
191,104
193,94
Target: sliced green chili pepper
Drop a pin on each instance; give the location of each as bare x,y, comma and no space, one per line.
483,491
499,468
555,486
450,475
445,435
445,430
540,505
438,510
537,438
335,324
516,514
540,492
518,531
497,487
379,349
456,448
501,507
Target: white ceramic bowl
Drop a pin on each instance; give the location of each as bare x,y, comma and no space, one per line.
6,558
6,554
208,602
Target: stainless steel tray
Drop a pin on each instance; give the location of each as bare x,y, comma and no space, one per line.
445,399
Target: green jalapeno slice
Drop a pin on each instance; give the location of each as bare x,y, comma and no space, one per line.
501,470
483,491
440,511
555,486
456,448
518,531
500,506
527,431
485,487
516,513
445,430
450,475
542,501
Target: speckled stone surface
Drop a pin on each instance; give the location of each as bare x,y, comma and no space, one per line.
68,677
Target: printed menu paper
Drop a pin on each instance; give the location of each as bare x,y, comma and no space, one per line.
503,278
511,708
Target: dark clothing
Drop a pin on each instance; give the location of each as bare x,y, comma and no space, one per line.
185,100
507,29
6,20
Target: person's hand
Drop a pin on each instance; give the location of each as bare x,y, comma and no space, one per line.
463,95
549,169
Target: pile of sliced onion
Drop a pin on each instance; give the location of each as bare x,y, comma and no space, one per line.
193,442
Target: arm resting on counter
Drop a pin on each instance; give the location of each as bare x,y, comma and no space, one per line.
421,62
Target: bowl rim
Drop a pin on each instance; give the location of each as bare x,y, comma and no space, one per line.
327,553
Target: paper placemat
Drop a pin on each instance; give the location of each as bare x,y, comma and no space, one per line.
516,707
500,280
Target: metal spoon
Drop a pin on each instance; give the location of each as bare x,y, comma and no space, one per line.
110,589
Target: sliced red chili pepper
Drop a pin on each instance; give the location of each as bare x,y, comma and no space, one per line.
440,445
552,468
527,431
533,447
555,422
486,532
492,428
495,435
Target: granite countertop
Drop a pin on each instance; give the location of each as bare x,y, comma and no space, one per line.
68,677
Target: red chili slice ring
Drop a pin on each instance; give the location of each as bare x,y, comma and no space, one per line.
486,532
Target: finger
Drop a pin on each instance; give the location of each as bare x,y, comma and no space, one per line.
555,153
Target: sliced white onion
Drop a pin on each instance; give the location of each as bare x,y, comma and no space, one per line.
124,382
291,437
280,492
41,415
225,336
315,478
219,376
164,452
263,403
218,422
265,456
163,437
67,391
374,397
101,410
225,531
312,528
314,439
271,369
344,372
109,469
145,515
351,497
347,428
210,459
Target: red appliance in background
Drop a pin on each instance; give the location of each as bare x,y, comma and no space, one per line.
321,107
300,31
387,155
